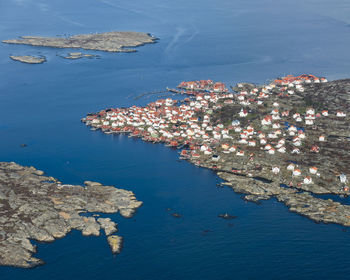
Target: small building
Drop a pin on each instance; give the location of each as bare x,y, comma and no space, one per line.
313,170
342,178
291,167
307,180
275,170
215,158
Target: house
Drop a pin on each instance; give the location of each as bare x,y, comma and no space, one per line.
266,120
296,172
285,113
240,153
324,113
243,113
275,111
291,167
342,178
301,134
321,138
268,147
232,148
204,147
225,146
313,170
296,115
243,141
236,123
184,153
307,180
292,129
215,158
341,114
275,169
315,149
240,97
195,155
310,111
276,125
296,142
309,122
251,143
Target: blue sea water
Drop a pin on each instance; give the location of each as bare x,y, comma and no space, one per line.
230,41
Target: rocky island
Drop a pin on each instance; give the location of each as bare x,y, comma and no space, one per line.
78,55
109,41
37,207
288,139
29,59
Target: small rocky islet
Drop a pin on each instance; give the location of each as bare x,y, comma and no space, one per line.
40,208
115,41
288,139
78,55
28,59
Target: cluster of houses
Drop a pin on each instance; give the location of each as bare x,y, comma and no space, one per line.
189,124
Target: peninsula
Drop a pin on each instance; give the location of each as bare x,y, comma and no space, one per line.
29,59
37,207
288,139
109,41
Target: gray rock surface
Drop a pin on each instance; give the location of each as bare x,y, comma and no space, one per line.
37,207
109,41
115,242
29,59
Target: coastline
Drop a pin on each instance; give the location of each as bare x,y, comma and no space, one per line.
109,41
269,179
38,207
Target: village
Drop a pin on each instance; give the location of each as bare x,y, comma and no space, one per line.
287,137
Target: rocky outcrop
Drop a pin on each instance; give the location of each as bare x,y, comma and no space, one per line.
29,59
115,242
109,41
78,55
38,207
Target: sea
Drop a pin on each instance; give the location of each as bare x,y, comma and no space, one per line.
225,40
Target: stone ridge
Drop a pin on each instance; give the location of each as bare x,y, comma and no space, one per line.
37,207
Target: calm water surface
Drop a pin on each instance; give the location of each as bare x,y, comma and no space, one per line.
230,41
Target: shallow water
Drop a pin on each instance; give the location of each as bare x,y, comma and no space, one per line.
230,41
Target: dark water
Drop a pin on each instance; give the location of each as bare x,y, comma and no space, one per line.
230,41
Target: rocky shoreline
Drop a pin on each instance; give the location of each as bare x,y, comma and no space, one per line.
37,207
29,59
288,140
109,41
